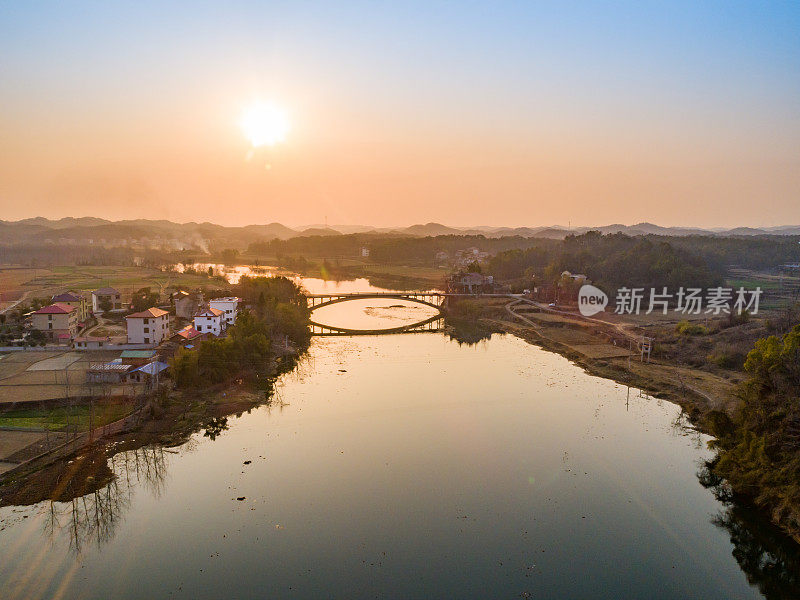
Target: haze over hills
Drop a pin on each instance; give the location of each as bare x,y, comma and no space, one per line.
92,230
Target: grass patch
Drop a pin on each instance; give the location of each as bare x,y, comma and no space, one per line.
58,419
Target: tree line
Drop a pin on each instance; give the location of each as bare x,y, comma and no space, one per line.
611,261
386,248
759,446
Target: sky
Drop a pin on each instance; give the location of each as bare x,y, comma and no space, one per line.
464,113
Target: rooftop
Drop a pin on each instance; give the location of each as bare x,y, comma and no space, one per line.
137,354
67,297
55,309
188,332
152,368
109,367
209,312
150,313
105,291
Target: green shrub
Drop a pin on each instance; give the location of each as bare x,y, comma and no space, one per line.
687,328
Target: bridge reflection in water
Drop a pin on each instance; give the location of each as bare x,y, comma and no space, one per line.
432,299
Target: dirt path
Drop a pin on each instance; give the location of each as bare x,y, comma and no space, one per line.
16,303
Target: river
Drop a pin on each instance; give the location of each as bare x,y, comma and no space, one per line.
409,466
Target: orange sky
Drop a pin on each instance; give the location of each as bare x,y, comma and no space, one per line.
112,118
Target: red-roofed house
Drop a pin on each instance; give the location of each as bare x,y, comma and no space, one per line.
58,322
74,299
188,334
150,326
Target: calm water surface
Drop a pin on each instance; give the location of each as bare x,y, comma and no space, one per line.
400,466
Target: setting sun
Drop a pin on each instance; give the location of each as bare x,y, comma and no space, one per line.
265,124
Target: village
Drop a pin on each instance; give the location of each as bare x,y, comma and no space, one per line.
83,345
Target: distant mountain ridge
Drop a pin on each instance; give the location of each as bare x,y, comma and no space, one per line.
162,233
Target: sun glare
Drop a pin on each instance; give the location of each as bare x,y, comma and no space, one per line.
265,124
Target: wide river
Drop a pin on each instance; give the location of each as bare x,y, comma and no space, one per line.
409,466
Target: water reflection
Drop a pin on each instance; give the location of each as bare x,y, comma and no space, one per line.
769,558
391,455
374,314
315,285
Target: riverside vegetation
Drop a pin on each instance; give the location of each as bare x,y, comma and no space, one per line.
759,445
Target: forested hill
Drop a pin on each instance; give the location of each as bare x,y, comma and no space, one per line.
649,261
612,261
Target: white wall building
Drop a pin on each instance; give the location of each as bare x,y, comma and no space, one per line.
150,326
113,297
229,307
210,320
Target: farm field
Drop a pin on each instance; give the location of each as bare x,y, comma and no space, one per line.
42,283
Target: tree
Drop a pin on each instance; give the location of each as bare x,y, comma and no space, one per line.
474,267
759,447
144,299
229,256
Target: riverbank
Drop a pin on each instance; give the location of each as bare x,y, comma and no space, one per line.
695,391
713,403
607,349
77,465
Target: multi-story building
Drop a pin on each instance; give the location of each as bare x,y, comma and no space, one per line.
58,322
75,299
109,294
210,320
150,326
186,304
229,306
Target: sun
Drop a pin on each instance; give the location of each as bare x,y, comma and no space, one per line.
265,124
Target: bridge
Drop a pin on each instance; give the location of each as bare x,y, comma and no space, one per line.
435,300
432,299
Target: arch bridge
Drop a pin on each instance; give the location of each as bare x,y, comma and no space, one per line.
432,299
435,300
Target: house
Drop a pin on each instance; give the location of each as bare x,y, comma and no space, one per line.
469,256
188,334
91,342
229,306
186,304
150,326
364,252
578,278
103,295
110,372
74,299
472,283
137,358
148,373
210,320
58,322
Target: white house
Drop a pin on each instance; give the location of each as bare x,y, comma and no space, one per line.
210,320
229,306
112,296
150,326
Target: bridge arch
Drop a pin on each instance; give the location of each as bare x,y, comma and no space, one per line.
430,299
327,300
